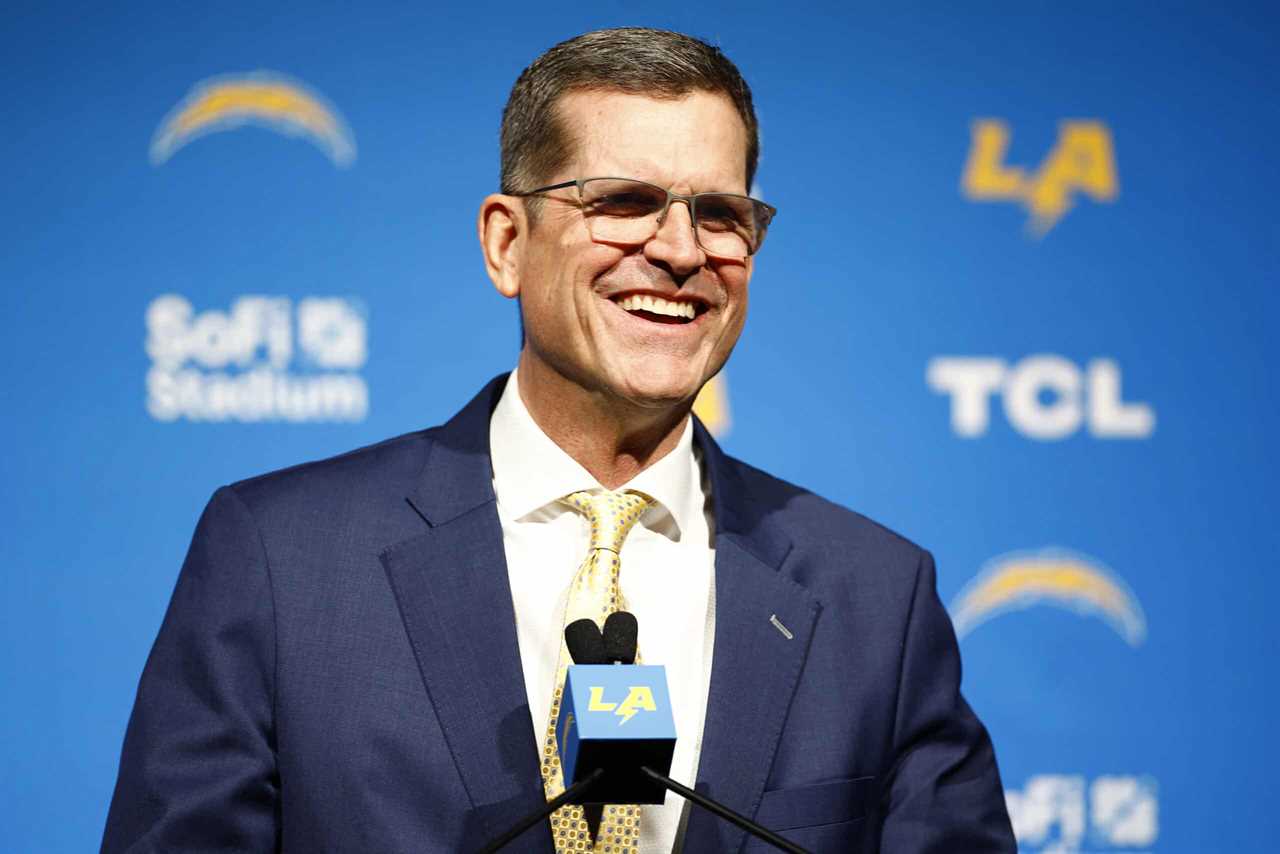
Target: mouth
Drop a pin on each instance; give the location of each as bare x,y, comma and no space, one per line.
656,309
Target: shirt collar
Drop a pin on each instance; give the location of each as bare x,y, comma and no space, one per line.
530,471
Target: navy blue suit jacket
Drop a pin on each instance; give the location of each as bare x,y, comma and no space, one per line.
338,672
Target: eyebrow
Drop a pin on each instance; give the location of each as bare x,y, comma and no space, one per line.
644,169
642,175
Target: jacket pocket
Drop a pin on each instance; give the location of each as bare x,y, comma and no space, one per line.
822,803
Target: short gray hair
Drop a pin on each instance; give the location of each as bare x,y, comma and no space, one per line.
635,60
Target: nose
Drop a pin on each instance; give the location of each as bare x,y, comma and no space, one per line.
675,245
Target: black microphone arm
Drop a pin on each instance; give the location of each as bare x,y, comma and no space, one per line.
724,812
544,812
685,792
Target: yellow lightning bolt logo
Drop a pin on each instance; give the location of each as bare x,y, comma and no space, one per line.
1082,161
639,698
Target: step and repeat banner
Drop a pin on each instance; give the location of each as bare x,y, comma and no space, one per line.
1018,305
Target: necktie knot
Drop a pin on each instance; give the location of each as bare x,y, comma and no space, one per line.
612,515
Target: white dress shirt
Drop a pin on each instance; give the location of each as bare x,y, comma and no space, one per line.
667,577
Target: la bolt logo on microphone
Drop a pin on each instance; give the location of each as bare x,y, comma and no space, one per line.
639,698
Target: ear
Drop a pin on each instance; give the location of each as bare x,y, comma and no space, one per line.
501,226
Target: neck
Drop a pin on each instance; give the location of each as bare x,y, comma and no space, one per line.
613,439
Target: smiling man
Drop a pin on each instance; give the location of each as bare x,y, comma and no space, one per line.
366,653
628,309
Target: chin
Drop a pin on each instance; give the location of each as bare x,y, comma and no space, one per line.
659,387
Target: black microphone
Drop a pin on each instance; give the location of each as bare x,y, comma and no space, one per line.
616,733
615,715
588,748
586,644
621,633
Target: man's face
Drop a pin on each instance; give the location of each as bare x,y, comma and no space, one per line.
572,288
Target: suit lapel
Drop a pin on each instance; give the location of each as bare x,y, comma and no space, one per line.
755,666
451,586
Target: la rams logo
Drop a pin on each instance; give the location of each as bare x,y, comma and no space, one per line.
639,698
1053,577
261,98
1082,161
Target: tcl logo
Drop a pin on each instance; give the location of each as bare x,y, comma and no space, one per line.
1045,397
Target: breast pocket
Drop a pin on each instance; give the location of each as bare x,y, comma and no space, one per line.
822,817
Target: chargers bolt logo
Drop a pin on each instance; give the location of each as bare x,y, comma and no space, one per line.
1055,577
261,98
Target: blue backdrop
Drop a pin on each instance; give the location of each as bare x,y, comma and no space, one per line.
1017,305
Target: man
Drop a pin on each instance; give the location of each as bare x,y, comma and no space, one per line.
362,654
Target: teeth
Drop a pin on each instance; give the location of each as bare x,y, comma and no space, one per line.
657,305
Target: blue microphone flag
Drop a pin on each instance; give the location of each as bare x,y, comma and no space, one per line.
616,717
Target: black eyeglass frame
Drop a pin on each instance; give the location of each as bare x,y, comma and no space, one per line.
765,212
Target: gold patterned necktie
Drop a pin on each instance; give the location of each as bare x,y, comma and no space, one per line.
594,594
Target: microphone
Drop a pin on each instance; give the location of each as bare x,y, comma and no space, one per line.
598,731
616,733
621,632
614,718
585,643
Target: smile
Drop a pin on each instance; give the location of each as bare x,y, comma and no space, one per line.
658,310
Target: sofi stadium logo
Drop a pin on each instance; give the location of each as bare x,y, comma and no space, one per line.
260,98
1065,814
1045,397
264,359
1082,161
1052,577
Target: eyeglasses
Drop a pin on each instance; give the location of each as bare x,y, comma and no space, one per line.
627,211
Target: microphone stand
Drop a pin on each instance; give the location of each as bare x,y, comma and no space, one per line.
620,642
683,791
724,812
552,805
